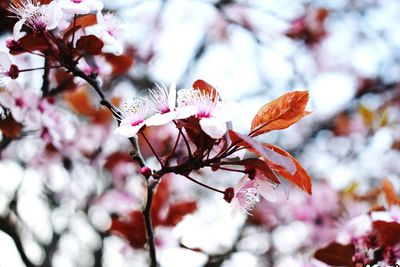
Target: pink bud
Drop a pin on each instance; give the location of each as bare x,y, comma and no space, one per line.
145,171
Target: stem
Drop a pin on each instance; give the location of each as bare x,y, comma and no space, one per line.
73,33
185,139
152,149
41,68
204,185
149,227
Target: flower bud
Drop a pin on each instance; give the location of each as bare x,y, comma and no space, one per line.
229,193
145,171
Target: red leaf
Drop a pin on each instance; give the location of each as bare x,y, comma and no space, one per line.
28,43
388,232
272,157
205,88
262,168
179,210
80,101
336,254
300,178
90,44
280,113
131,228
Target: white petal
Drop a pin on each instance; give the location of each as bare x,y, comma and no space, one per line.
185,112
54,14
94,5
160,119
172,96
75,8
128,130
213,127
17,29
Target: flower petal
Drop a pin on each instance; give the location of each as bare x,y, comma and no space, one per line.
266,190
172,96
160,119
213,127
185,112
128,130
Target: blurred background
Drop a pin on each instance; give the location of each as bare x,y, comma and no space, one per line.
57,203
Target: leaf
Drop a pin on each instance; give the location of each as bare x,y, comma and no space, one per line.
261,166
131,228
300,178
271,156
90,44
120,64
177,211
336,254
206,88
10,127
280,113
388,232
390,193
28,43
81,22
80,101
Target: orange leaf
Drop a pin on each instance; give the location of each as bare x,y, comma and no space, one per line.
336,254
280,113
300,178
10,127
80,101
205,88
81,22
390,193
120,64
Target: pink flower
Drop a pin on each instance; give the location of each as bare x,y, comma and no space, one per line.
38,17
111,33
23,104
80,6
245,195
212,113
8,71
163,103
132,118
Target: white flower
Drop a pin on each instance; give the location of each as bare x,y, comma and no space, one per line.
163,102
132,118
38,17
111,33
212,113
80,6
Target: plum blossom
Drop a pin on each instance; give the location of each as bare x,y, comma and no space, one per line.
212,113
36,16
111,32
21,103
80,7
8,71
163,103
245,195
132,118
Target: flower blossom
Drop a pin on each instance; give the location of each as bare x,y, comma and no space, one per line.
212,113
111,32
132,118
245,195
163,103
36,16
80,7
8,71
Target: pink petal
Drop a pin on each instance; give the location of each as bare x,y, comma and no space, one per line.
128,130
160,119
213,127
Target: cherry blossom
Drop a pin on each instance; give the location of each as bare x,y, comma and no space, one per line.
212,113
132,118
38,17
80,6
245,195
8,71
111,32
163,103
